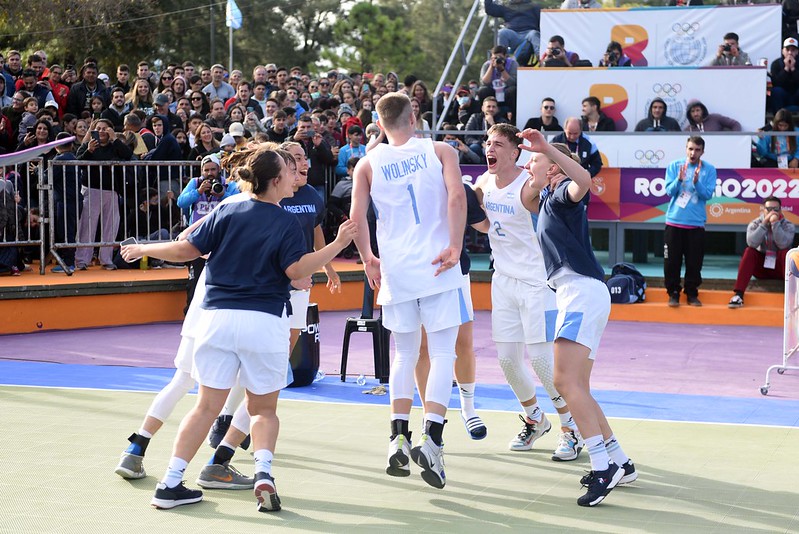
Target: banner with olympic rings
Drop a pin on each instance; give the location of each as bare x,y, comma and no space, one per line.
667,36
626,94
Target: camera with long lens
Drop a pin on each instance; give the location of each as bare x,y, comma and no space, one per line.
556,51
613,57
216,186
726,47
499,61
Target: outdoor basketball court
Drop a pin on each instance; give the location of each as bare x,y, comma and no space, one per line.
712,453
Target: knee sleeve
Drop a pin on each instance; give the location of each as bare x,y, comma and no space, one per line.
516,371
406,352
241,419
167,399
234,399
441,346
543,360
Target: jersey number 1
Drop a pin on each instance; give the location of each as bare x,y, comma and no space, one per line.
413,203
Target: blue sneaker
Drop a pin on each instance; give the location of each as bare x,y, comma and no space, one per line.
58,269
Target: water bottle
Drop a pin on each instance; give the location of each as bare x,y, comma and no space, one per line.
361,380
320,375
144,263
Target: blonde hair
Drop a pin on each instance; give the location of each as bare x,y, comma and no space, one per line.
393,109
564,149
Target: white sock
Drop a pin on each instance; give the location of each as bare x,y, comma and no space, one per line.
615,451
567,421
434,417
174,473
263,461
401,416
143,433
533,412
596,450
467,400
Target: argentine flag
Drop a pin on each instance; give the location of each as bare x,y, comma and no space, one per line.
232,15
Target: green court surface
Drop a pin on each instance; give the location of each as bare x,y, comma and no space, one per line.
60,446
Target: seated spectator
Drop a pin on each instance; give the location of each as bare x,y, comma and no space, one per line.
614,56
353,149
218,119
218,87
780,150
420,92
768,239
657,120
547,122
422,126
341,197
161,107
521,33
699,120
556,54
498,79
462,106
465,155
593,119
488,117
581,4
785,76
147,223
579,144
10,228
729,54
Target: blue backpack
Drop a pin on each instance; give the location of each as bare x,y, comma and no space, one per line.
626,284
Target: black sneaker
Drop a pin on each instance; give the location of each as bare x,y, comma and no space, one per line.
694,301
218,431
166,498
674,300
599,484
630,474
266,493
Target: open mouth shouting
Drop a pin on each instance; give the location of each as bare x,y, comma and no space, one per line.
491,160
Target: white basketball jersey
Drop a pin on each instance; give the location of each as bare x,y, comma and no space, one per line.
410,201
514,243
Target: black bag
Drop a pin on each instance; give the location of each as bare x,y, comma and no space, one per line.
626,284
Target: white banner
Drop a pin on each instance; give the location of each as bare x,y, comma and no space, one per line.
625,93
667,36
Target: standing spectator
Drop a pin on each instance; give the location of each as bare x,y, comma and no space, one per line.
593,119
68,201
218,119
657,120
141,97
547,122
785,76
123,75
586,150
81,93
13,67
768,239
277,133
59,90
218,88
522,32
699,120
39,90
690,183
729,54
15,110
117,110
320,156
161,107
143,72
100,196
8,90
353,149
498,79
204,142
166,149
488,117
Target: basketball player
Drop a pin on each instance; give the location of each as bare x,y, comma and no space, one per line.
523,308
415,185
583,305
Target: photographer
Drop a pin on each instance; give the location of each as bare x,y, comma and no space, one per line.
498,79
201,195
729,54
556,54
614,57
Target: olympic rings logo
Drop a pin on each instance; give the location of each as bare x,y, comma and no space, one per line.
685,28
653,157
667,89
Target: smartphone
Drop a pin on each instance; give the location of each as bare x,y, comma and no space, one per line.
374,117
365,88
129,241
96,135
250,109
310,133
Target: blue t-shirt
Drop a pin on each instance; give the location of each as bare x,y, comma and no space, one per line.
252,243
309,208
474,215
563,233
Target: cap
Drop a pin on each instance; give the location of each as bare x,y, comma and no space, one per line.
161,99
212,158
236,129
790,41
345,108
51,104
463,89
103,76
227,139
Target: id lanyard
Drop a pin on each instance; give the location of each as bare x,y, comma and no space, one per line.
685,196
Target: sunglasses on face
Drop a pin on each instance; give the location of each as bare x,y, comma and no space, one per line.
196,98
166,77
549,107
773,208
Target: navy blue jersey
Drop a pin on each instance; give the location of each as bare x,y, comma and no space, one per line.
307,205
474,215
563,234
252,243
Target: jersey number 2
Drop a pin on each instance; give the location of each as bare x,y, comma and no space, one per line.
413,203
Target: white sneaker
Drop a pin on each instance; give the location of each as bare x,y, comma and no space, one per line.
430,457
531,431
569,446
399,452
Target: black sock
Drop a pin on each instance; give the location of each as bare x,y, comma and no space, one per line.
399,426
435,431
740,294
222,455
138,444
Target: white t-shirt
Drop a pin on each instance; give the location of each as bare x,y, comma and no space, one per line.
514,243
410,201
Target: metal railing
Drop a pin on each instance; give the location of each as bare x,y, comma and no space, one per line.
21,198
